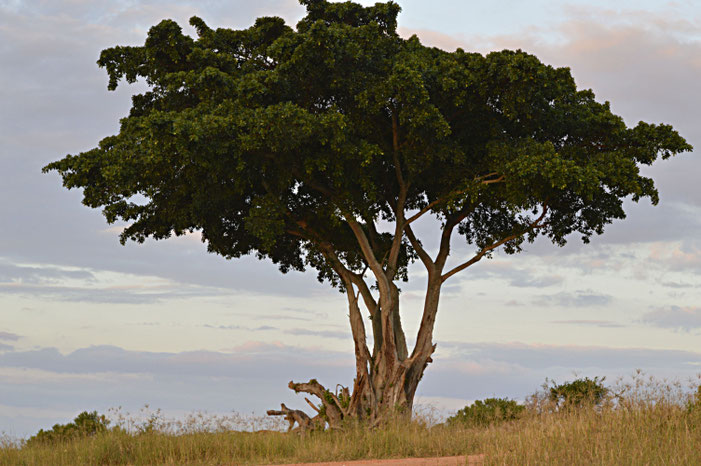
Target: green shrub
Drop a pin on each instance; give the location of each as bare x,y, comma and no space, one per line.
489,411
84,425
579,393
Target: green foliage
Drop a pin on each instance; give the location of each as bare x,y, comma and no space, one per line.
342,396
579,393
489,411
268,139
84,425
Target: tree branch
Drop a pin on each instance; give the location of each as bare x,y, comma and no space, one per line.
368,253
398,234
401,201
423,255
395,151
486,249
364,290
444,248
332,258
479,180
295,415
373,234
334,411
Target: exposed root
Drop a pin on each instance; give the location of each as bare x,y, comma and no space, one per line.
293,416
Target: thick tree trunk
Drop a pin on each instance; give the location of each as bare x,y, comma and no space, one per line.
386,379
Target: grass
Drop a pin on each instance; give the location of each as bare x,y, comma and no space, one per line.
644,421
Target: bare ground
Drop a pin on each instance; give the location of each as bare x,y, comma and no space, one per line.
474,460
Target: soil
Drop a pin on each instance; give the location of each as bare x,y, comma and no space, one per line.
474,460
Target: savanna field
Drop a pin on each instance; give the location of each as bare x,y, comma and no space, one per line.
639,420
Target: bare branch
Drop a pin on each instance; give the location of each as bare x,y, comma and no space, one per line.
295,415
535,224
423,255
373,234
314,407
369,255
341,270
364,290
398,233
444,248
478,180
334,411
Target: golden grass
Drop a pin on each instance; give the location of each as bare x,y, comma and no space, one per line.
647,422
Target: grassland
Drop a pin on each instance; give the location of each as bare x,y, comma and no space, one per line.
643,422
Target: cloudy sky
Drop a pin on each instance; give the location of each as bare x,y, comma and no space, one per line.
88,324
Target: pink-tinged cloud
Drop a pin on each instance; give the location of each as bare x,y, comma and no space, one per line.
675,317
676,256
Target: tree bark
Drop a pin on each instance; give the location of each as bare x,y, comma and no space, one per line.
387,378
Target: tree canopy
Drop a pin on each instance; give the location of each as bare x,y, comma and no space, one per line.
294,144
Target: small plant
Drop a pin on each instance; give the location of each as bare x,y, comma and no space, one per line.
579,393
84,425
694,403
489,411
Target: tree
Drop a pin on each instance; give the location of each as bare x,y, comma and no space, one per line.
579,392
490,411
86,424
320,147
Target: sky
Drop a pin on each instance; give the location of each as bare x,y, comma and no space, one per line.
88,324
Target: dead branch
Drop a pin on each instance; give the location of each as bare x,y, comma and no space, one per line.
295,415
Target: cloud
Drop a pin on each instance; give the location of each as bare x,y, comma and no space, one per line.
107,295
540,356
13,273
594,323
55,102
479,370
253,375
579,298
433,38
536,282
8,336
518,277
677,285
674,317
245,360
445,404
682,255
341,335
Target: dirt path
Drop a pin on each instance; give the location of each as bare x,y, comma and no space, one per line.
473,460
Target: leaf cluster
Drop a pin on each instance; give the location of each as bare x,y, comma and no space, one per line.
268,139
486,412
579,393
84,425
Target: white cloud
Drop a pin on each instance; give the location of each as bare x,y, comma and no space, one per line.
579,298
674,317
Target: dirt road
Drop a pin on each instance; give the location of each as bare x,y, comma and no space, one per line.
473,460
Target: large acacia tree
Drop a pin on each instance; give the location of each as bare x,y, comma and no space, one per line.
320,146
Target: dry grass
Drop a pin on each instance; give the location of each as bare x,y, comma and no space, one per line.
645,422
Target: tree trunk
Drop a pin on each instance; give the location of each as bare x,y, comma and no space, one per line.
386,379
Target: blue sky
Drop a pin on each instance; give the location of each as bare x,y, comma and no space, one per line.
88,324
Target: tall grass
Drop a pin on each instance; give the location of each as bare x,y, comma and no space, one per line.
642,421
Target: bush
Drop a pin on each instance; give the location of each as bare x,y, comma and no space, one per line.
84,425
579,393
489,411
